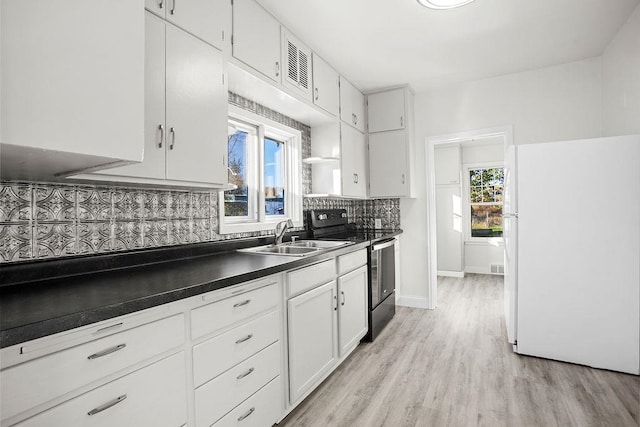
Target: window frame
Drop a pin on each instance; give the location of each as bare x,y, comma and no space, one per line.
467,167
258,220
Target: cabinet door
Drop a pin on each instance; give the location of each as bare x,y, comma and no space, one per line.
388,162
326,86
352,109
386,111
312,338
73,82
196,110
153,163
209,20
352,311
256,38
297,64
353,160
447,163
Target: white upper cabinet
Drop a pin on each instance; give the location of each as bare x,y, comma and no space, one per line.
447,162
388,155
386,110
209,20
72,84
353,161
352,109
297,64
326,86
256,38
186,112
391,143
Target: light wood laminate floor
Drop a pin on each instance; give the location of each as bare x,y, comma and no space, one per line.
453,367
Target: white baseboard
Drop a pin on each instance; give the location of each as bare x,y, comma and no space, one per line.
447,273
414,302
480,270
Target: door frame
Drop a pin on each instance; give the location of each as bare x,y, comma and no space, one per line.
432,257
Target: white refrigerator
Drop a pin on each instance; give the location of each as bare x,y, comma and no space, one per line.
572,244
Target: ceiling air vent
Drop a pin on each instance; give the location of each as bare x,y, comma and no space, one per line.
298,64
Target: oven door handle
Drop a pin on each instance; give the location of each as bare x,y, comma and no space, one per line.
383,244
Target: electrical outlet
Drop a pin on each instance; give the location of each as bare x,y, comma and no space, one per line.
378,223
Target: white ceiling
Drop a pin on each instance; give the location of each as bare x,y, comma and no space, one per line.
379,43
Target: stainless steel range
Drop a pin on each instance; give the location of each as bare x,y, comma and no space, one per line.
333,224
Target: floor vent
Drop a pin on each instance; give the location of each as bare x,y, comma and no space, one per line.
497,268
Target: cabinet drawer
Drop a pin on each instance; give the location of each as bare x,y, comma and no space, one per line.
351,261
152,396
262,409
217,397
220,353
308,277
37,381
216,316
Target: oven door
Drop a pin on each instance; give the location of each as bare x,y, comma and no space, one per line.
382,273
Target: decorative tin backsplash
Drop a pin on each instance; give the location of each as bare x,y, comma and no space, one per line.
41,220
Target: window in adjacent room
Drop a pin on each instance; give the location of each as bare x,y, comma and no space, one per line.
265,164
486,187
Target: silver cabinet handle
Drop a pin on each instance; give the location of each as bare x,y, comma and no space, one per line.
246,414
357,178
172,131
401,121
403,178
344,299
108,328
107,405
173,9
161,129
277,68
244,374
240,304
247,338
355,119
335,297
316,94
107,351
161,4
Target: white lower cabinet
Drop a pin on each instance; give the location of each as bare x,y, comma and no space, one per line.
263,409
218,358
152,396
38,381
220,395
325,323
312,338
352,294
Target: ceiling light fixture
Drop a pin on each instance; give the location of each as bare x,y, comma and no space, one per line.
443,4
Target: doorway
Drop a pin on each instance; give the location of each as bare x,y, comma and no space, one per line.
459,242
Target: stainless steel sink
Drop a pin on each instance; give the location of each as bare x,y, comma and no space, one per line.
299,249
323,244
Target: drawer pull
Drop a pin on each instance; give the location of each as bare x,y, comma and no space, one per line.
107,351
246,414
240,304
247,338
108,328
244,374
107,405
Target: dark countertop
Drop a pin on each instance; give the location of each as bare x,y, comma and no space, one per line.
43,298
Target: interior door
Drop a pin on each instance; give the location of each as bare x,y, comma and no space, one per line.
510,237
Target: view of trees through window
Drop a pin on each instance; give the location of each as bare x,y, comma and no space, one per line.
486,187
236,202
273,177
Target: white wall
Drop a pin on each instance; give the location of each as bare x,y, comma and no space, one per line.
554,103
621,80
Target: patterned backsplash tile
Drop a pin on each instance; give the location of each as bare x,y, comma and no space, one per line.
41,220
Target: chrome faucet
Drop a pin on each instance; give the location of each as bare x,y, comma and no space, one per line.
282,228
